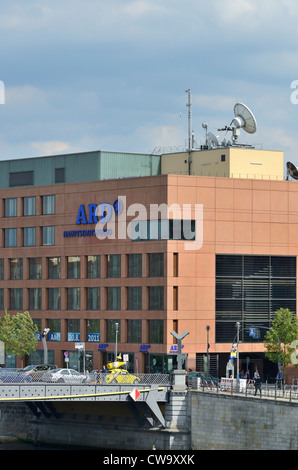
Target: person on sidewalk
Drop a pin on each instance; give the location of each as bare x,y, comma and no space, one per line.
258,383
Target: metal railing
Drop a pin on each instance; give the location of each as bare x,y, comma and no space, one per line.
69,376
266,390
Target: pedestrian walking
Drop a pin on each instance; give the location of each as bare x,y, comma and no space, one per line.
258,383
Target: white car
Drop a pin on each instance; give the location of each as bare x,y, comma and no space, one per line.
64,376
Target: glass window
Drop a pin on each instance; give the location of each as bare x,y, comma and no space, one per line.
73,330
155,331
156,265
73,298
48,235
35,268
93,267
16,299
134,331
16,269
1,269
59,175
54,267
156,298
35,298
54,298
2,299
113,327
11,207
55,329
21,178
93,298
73,267
10,237
48,205
29,236
29,206
135,265
114,298
37,323
93,330
114,265
134,298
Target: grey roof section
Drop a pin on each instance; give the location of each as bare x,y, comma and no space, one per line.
80,167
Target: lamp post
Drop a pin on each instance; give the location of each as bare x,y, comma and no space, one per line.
116,328
238,329
44,343
208,345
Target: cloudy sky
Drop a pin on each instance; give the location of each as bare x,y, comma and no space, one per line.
112,74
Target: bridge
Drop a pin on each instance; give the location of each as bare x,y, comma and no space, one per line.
41,397
172,416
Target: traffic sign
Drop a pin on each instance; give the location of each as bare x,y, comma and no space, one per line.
254,332
134,394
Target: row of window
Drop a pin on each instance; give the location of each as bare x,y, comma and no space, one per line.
133,330
133,298
93,267
29,236
29,206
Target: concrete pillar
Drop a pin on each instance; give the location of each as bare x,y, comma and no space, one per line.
176,411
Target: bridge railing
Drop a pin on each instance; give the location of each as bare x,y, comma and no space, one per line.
266,390
69,376
138,378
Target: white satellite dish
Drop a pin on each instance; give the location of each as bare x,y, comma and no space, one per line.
212,140
244,119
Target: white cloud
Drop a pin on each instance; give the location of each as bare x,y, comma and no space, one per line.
51,148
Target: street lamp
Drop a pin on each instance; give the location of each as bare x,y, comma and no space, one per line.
208,345
116,328
238,329
44,343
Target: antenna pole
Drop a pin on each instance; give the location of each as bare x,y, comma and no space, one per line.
190,132
188,104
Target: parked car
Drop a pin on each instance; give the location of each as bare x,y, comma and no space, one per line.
64,376
119,376
14,376
206,380
37,371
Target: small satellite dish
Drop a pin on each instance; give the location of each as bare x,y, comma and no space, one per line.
212,140
292,171
244,119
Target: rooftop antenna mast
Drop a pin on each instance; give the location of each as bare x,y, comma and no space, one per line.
190,132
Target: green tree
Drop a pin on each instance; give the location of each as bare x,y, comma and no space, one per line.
18,333
279,338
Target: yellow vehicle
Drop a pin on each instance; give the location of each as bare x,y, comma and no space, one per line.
116,375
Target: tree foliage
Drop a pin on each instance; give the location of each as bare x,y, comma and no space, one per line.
18,332
279,338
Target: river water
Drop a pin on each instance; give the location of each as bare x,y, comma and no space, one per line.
21,445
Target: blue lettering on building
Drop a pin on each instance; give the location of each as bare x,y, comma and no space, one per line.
96,213
102,346
81,215
174,348
104,211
